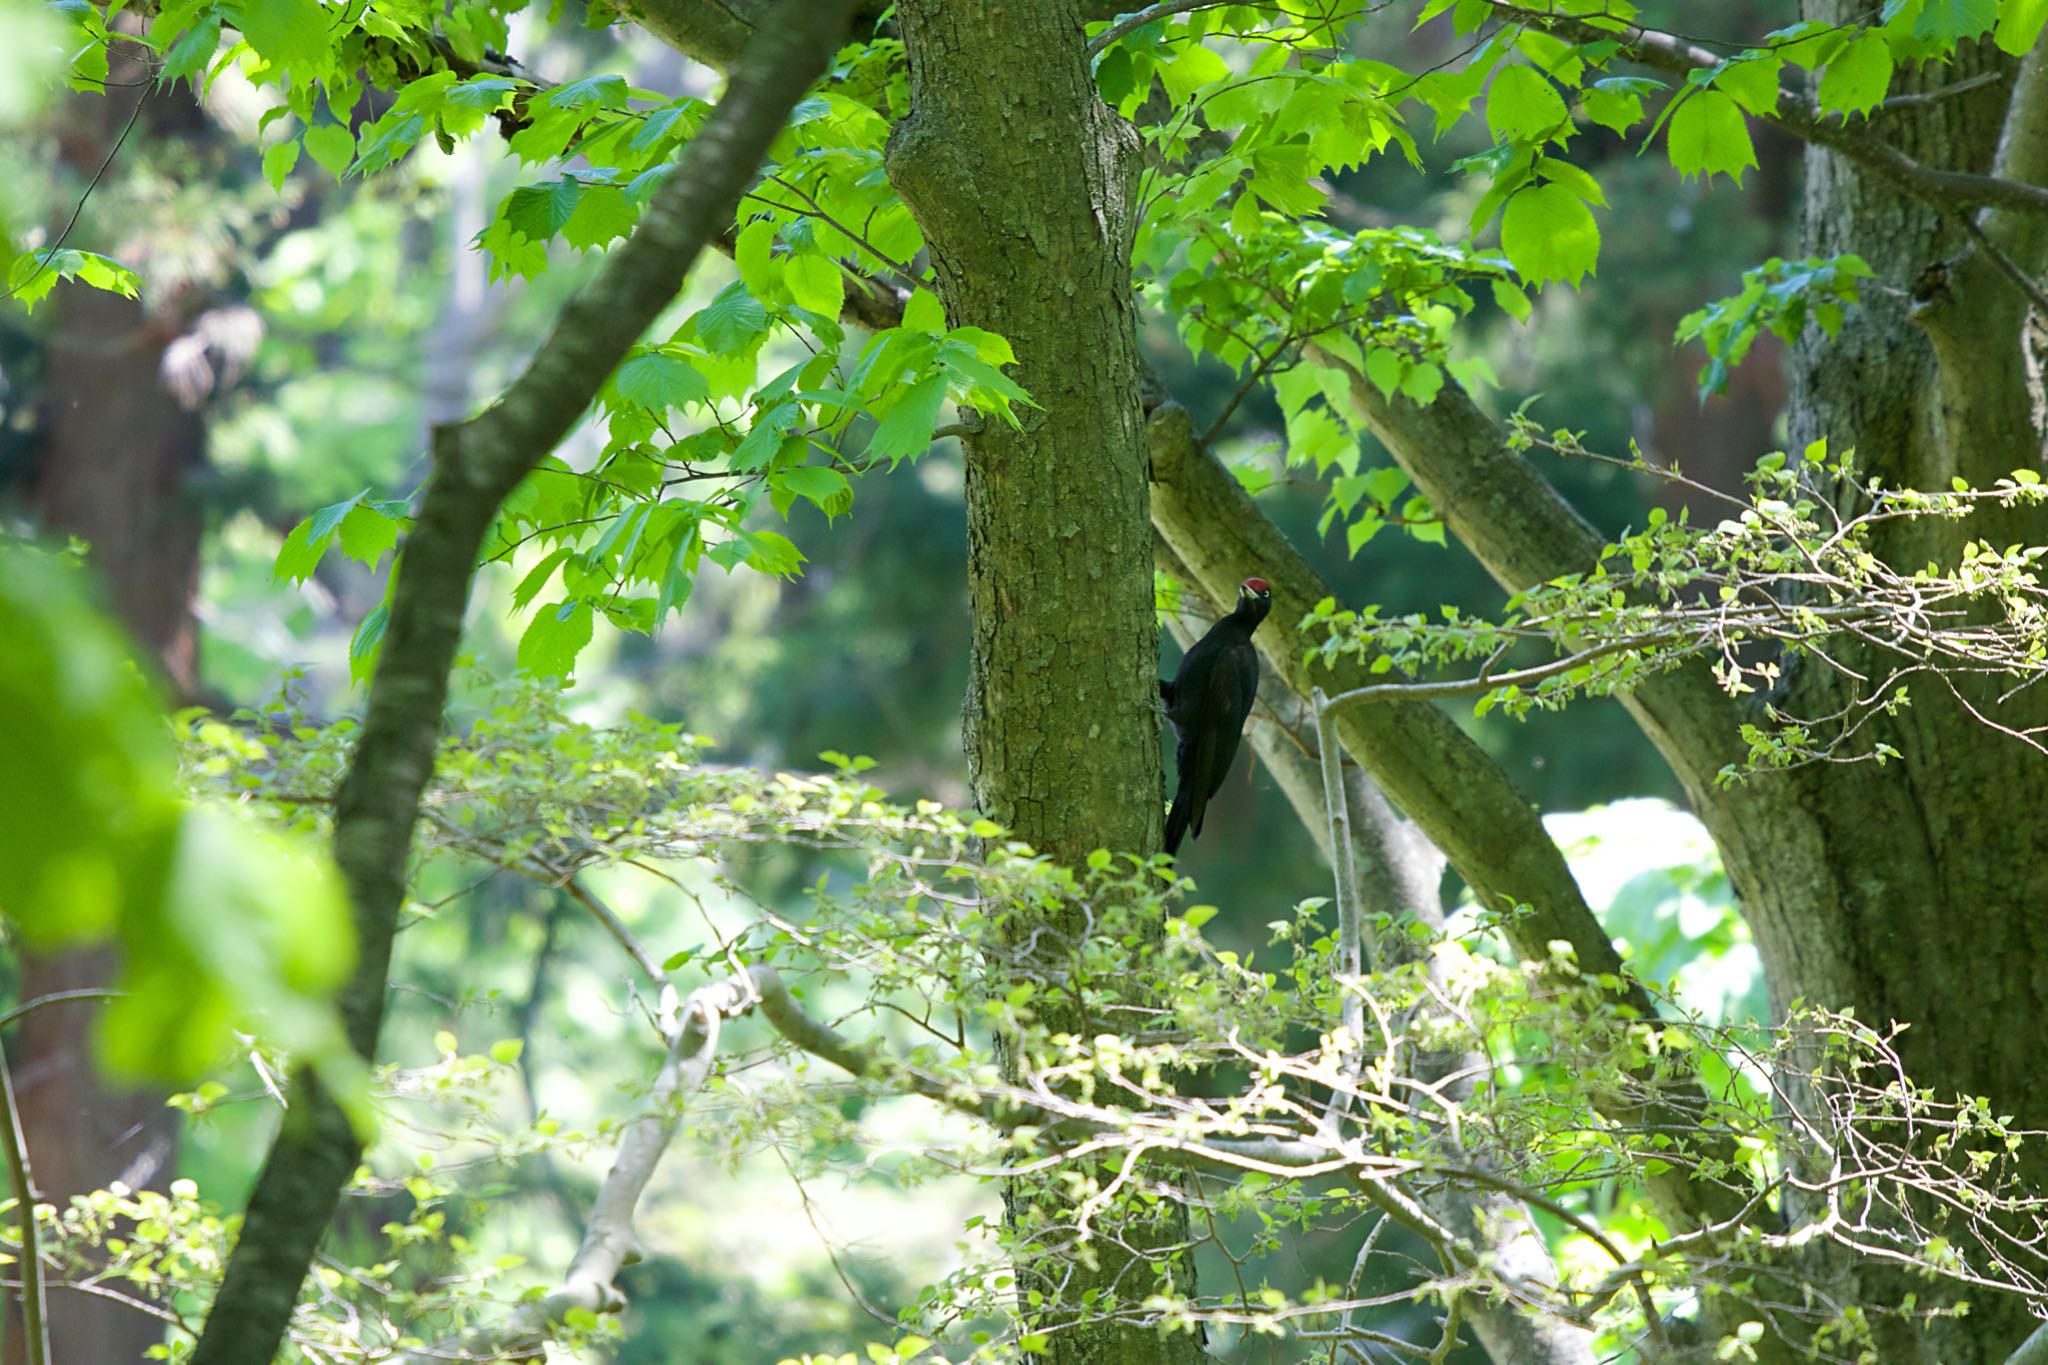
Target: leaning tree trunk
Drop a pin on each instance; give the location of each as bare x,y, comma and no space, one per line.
1915,891
1024,184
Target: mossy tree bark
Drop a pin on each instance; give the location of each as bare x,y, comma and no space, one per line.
1024,184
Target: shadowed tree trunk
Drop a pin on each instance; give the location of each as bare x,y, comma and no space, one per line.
114,465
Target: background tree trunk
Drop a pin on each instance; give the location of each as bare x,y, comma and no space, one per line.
116,458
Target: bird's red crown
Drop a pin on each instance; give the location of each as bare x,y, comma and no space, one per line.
1258,585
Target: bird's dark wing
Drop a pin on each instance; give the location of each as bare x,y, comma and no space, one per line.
1233,684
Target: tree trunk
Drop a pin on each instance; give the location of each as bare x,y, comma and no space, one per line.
115,464
1024,184
1914,891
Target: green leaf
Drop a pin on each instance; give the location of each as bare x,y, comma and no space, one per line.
2019,25
907,428
1752,84
191,51
661,381
772,554
506,1051
1617,108
556,635
924,313
1709,135
289,33
753,249
368,533
1195,67
386,140
300,554
1549,234
363,646
815,282
603,215
538,212
36,273
1858,77
1523,106
332,147
607,91
827,488
1512,301
731,321
278,160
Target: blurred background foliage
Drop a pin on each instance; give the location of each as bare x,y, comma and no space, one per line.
298,344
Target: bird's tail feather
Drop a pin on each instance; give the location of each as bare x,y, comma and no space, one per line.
1178,818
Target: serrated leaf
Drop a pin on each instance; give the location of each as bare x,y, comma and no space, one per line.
367,534
1619,110
553,639
607,91
603,215
660,381
1549,234
191,51
825,487
538,212
907,428
288,33
537,578
1858,77
1522,105
732,320
1195,67
1708,135
816,283
772,554
1752,84
386,140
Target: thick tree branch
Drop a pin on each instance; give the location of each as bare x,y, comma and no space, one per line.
476,465
1427,766
1524,532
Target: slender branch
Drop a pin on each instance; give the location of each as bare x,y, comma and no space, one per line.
55,998
1130,23
34,1323
1922,98
2004,264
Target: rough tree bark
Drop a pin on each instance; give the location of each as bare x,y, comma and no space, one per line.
1026,190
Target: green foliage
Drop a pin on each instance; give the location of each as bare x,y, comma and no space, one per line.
221,924
1777,296
36,273
1673,592
910,913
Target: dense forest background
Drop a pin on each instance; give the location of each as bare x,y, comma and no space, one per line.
295,339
